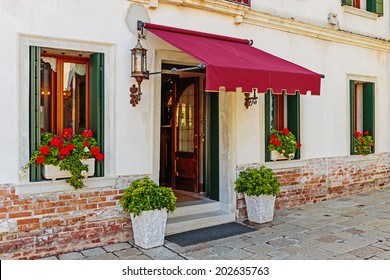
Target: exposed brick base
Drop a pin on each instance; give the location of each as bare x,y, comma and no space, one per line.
327,178
39,225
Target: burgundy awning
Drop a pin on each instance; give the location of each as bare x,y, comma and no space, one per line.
232,63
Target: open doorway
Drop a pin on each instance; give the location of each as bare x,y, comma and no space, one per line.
184,156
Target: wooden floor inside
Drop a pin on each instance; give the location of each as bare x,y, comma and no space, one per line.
183,196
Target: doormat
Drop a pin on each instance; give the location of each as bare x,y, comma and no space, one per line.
208,234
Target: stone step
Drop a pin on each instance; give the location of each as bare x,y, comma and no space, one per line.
194,207
199,220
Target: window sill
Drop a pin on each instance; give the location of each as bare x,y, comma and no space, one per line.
283,164
359,158
360,12
61,186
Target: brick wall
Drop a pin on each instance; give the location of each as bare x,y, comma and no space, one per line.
39,225
327,178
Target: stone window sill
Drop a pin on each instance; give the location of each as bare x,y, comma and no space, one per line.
53,186
360,12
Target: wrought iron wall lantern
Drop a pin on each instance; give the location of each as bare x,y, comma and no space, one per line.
250,100
139,69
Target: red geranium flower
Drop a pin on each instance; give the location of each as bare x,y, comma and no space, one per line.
100,157
64,151
95,151
366,132
70,147
86,144
87,133
277,143
286,131
44,150
40,159
299,145
358,134
56,142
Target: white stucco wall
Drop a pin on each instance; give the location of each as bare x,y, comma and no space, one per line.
316,12
99,25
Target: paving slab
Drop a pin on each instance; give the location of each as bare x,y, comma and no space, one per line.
106,256
117,247
94,252
125,253
159,253
367,252
71,256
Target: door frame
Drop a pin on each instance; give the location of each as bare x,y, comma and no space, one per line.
227,131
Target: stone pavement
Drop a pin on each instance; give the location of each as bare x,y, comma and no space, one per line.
348,228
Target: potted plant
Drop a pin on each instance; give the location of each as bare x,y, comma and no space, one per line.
363,143
148,205
260,187
68,156
283,144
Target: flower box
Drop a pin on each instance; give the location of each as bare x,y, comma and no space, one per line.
54,172
275,155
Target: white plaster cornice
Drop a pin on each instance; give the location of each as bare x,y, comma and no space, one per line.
242,14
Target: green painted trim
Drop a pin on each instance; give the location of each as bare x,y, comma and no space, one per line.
97,105
352,116
346,2
369,109
267,123
293,118
35,102
212,149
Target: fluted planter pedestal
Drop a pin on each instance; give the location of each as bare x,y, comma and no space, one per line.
260,209
149,228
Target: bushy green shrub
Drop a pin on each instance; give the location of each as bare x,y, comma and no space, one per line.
144,195
257,181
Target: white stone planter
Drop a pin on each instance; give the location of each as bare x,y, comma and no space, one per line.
54,172
275,155
149,228
260,209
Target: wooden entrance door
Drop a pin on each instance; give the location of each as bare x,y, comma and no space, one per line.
185,135
179,147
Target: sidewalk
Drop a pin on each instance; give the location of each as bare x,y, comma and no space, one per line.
349,228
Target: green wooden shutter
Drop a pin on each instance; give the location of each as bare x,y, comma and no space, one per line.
379,7
35,103
213,157
352,116
268,123
369,109
375,6
293,118
97,104
346,2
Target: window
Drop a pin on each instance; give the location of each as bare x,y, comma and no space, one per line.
66,90
242,2
374,6
362,110
281,110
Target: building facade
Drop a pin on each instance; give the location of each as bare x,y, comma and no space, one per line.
68,64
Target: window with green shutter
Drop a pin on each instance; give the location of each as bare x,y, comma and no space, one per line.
281,111
362,110
374,6
66,91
